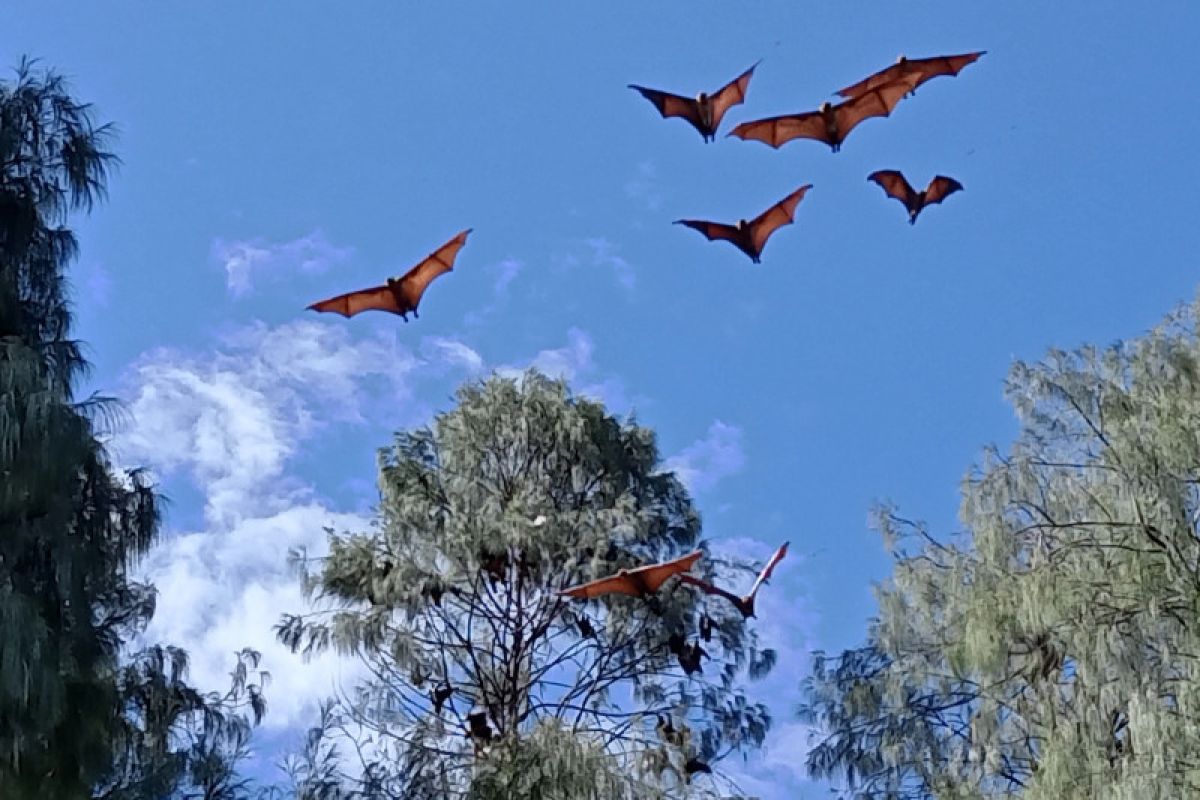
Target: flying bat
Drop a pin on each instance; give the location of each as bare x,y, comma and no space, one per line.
751,237
744,604
829,124
399,295
924,68
637,582
706,111
895,185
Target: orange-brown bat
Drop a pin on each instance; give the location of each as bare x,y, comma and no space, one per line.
637,582
896,186
706,111
924,68
744,604
829,124
399,295
751,237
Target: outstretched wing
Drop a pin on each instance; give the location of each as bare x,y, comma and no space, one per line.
711,230
731,94
924,68
377,298
672,105
655,575
615,584
940,188
765,575
414,282
894,184
877,102
778,215
708,588
776,131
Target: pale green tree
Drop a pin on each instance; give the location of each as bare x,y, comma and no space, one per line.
1051,650
74,719
486,683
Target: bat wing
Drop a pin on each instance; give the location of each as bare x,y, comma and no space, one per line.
894,184
656,575
778,215
615,584
377,298
711,230
923,68
414,282
708,588
776,131
731,94
765,575
878,102
940,188
672,105
875,80
929,68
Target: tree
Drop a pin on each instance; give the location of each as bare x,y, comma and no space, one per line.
487,683
1053,652
73,719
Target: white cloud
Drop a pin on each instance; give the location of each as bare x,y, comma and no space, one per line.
604,255
245,261
703,463
231,422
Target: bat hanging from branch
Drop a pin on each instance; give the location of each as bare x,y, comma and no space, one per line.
829,124
638,582
399,295
705,111
895,185
924,68
751,237
744,604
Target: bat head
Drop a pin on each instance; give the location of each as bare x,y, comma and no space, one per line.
826,107
701,98
742,224
900,59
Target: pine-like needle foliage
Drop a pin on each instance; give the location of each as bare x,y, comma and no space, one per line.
73,719
1055,652
488,684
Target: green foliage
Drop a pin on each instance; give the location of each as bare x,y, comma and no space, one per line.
1053,652
518,492
73,720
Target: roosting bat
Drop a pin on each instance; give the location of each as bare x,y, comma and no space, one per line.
896,186
440,696
706,111
399,295
689,658
924,68
751,237
695,765
744,604
637,582
705,627
829,124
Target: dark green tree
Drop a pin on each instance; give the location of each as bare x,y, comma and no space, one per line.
485,682
73,719
1053,651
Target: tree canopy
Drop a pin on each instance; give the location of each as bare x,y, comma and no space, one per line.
75,719
482,674
1051,651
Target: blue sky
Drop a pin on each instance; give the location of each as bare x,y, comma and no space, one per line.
275,154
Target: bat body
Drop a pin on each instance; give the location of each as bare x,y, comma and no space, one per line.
745,603
399,295
705,112
924,68
638,582
751,237
830,123
895,185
